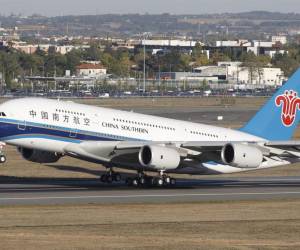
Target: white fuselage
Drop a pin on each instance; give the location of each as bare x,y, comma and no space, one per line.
50,125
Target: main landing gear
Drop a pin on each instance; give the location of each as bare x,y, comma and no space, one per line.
143,180
2,156
110,177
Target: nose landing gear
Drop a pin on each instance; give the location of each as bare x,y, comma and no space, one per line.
2,158
2,155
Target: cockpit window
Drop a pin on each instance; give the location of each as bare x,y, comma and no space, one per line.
2,114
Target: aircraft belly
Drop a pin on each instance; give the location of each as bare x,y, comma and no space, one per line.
40,144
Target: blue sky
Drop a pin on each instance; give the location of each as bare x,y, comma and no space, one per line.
66,7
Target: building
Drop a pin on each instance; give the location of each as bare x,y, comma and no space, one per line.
235,73
91,70
64,49
272,53
32,48
27,48
236,43
279,39
255,76
164,45
255,46
186,76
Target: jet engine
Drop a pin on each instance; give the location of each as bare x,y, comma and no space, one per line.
159,157
39,156
241,156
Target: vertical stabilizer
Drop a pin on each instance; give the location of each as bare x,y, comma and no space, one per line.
279,117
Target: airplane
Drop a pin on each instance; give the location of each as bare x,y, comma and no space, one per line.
44,130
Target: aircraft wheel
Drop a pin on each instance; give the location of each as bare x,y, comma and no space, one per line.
129,181
103,178
142,181
172,182
167,180
159,182
2,159
135,182
109,179
117,177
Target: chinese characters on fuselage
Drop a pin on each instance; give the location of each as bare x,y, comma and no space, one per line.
44,115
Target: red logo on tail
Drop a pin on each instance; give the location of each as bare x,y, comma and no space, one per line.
290,102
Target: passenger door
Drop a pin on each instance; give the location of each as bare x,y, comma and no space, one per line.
73,133
22,125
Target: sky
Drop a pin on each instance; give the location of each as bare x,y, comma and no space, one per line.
74,7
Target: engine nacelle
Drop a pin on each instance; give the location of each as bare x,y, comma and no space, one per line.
39,156
241,156
159,157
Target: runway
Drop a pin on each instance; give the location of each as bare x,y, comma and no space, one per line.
206,115
43,191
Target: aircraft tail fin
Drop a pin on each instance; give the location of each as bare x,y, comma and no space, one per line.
278,118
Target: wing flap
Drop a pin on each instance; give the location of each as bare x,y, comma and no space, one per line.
283,144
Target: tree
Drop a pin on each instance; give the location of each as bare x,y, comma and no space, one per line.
93,53
73,59
175,61
219,57
121,65
255,64
9,66
30,64
286,63
108,61
197,51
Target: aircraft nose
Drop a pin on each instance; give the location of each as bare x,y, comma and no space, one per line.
5,126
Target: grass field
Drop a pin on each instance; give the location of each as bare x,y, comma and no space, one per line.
230,225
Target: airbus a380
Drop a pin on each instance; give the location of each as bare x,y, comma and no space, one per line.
45,130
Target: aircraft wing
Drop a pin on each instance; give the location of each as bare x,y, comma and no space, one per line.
291,148
199,145
104,151
202,151
283,144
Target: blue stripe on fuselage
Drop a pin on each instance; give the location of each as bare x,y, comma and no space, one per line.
10,129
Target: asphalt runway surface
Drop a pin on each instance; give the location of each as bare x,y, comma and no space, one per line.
206,115
43,191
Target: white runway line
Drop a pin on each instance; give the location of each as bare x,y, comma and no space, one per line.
144,196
